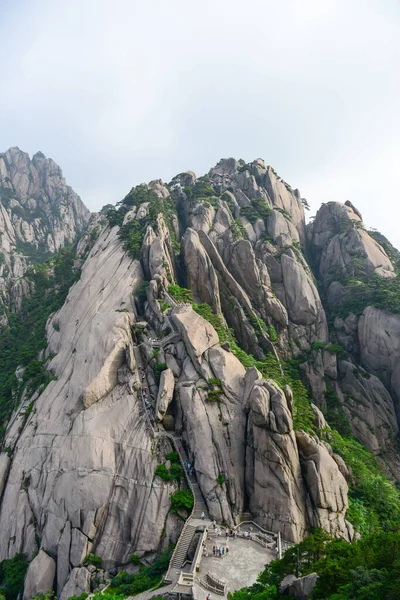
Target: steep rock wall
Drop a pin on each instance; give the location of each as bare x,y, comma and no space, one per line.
83,466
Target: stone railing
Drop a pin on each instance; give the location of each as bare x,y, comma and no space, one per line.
212,583
199,553
252,523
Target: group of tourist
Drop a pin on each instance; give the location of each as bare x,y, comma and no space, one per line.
189,468
220,551
228,532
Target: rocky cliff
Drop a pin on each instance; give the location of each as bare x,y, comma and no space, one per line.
39,213
202,297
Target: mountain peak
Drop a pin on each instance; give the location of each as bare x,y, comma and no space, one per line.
39,212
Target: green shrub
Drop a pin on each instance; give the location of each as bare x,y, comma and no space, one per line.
164,306
238,230
181,500
335,413
127,584
12,575
113,215
318,345
338,350
174,473
201,189
135,559
180,294
259,209
255,592
158,369
93,559
367,290
331,348
220,479
173,457
250,213
214,395
272,334
132,234
162,471
51,596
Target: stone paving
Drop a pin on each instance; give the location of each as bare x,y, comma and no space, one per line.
240,568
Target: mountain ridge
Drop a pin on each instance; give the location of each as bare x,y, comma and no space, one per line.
203,297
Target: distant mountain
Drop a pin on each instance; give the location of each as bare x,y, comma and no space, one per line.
39,212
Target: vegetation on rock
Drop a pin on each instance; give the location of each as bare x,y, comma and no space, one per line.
181,500
128,584
22,341
12,575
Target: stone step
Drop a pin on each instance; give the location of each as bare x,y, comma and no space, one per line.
182,547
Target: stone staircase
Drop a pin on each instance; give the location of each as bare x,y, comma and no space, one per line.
182,547
199,504
189,529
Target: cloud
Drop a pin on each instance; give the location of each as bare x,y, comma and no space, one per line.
126,91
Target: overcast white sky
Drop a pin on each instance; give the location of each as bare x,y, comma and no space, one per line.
123,91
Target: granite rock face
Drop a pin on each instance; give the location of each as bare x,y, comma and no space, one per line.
379,339
86,456
273,473
326,486
129,347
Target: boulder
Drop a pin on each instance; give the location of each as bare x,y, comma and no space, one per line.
299,588
77,584
319,419
165,392
301,295
197,333
40,575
